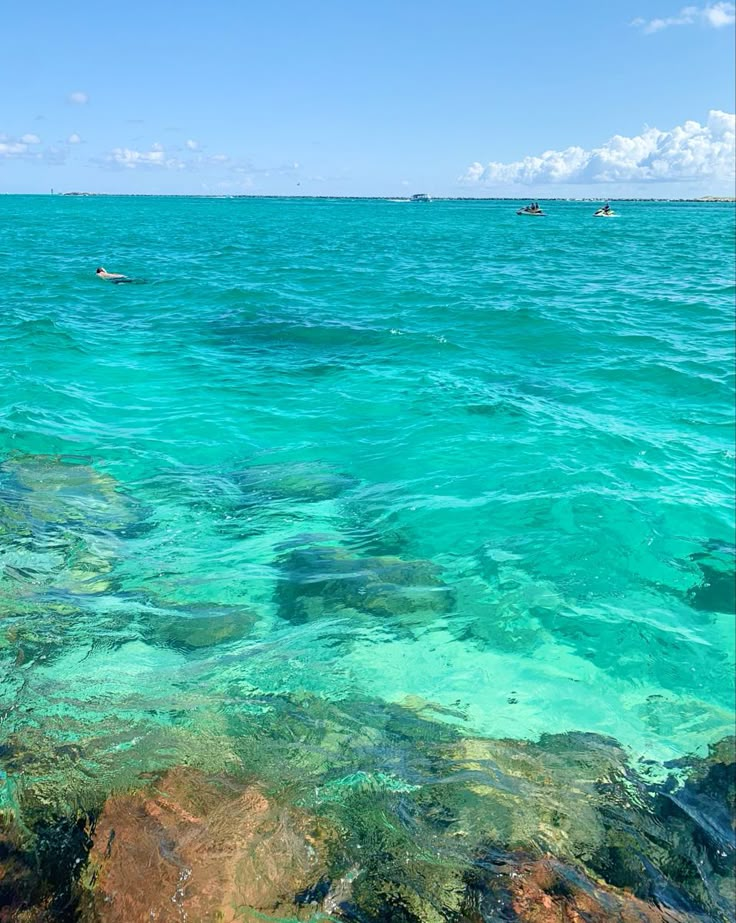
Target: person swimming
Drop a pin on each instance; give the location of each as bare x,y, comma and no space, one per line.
115,277
102,273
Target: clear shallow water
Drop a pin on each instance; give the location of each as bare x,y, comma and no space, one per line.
432,456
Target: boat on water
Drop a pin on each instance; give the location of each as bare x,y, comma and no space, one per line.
532,209
420,197
605,211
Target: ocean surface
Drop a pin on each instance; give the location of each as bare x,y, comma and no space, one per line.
335,462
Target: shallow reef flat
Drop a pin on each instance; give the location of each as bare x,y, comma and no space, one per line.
196,794
434,826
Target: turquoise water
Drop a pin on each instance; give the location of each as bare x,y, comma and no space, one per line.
437,457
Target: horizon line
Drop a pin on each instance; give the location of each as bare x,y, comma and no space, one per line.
375,198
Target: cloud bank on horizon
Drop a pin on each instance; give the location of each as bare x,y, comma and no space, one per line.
687,153
715,15
693,158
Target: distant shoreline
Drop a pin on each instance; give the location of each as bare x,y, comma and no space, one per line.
195,195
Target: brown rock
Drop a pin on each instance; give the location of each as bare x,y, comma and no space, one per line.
196,848
546,890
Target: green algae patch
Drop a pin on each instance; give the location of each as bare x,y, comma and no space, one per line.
61,525
362,781
62,489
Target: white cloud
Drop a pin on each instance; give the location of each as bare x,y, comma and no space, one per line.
720,14
19,148
716,15
159,157
689,152
192,145
74,139
128,159
27,148
78,97
10,148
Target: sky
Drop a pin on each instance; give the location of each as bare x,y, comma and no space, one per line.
379,98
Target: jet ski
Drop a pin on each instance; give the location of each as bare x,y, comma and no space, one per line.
531,210
605,212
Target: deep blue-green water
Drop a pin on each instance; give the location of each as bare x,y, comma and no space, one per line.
439,457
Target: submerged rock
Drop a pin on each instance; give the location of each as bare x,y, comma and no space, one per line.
383,815
200,625
13,868
20,892
717,590
39,871
576,796
538,794
199,848
672,842
582,837
323,579
61,524
68,766
35,629
517,887
47,557
698,815
63,489
416,801
305,482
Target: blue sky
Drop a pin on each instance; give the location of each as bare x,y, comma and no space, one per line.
368,98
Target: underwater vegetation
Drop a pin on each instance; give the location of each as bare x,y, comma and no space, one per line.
181,786
441,828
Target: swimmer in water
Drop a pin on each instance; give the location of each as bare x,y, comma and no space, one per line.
102,273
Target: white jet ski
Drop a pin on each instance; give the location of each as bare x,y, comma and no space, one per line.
529,210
